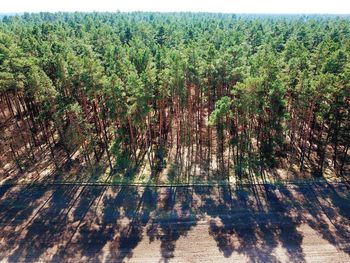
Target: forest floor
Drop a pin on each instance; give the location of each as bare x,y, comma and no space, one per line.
44,171
248,223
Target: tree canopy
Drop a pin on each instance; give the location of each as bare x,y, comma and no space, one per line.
198,95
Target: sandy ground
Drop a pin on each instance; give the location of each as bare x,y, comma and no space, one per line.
250,223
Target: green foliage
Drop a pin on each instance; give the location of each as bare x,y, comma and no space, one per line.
222,109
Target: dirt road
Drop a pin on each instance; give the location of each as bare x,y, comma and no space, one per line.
252,223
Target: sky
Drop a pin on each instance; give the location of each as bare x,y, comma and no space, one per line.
225,6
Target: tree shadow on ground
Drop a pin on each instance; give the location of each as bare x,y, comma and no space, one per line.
327,210
44,230
252,222
174,217
106,223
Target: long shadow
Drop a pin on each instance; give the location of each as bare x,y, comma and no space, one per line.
102,223
328,212
19,202
3,190
88,198
110,227
251,226
16,209
44,232
115,222
131,235
173,218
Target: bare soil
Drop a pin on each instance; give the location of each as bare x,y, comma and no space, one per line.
248,223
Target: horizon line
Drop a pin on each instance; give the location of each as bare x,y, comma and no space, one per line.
170,12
